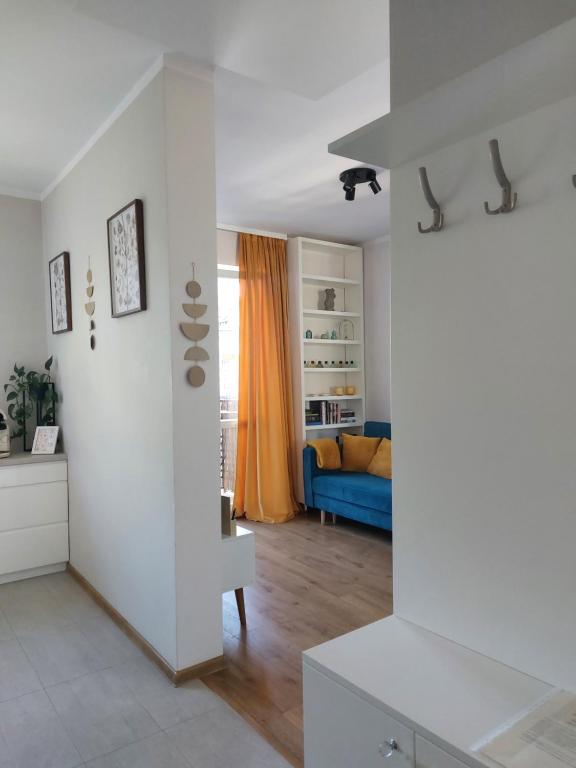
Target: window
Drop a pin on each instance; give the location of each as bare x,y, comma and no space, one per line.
229,342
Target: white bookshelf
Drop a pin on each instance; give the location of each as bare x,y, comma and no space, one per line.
313,266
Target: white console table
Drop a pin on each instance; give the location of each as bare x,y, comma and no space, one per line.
33,515
395,694
238,565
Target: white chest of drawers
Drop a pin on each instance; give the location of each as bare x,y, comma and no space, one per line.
395,694
33,515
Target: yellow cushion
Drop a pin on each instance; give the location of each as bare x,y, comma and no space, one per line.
327,453
381,464
358,452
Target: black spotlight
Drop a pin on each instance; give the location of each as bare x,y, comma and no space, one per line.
375,187
354,176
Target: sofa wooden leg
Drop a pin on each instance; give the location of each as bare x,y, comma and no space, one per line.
322,517
333,518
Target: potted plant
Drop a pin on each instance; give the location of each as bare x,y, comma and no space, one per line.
26,389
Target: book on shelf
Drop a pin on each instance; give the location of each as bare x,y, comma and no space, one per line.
325,412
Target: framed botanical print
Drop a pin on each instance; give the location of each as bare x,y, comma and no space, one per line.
126,257
60,293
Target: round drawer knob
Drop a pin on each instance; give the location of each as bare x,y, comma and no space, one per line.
388,747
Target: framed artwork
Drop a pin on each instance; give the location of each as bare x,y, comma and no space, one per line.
60,293
45,440
126,257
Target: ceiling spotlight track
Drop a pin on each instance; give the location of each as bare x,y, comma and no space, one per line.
354,176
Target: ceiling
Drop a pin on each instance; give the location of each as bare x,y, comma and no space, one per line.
291,75
435,41
61,75
273,171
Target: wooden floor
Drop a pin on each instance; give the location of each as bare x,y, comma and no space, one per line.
313,583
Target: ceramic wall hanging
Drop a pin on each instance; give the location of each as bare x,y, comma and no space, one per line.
90,306
195,331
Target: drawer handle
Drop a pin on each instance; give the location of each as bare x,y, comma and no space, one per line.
388,747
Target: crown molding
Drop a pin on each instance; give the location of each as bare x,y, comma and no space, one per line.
179,62
132,94
377,240
248,231
173,61
24,194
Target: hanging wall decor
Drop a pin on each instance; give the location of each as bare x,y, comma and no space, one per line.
195,332
126,256
60,294
90,306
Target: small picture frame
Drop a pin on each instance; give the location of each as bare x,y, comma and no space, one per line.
45,440
60,293
126,259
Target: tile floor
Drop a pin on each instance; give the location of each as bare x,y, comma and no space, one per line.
75,691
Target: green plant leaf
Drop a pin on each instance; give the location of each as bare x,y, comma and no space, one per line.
48,363
12,396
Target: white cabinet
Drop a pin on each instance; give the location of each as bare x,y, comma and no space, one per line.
33,516
348,731
428,755
395,680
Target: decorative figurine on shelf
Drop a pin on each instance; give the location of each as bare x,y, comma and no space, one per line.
319,364
325,335
308,334
329,296
334,335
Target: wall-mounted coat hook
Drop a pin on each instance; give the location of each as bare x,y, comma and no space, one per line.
438,216
508,199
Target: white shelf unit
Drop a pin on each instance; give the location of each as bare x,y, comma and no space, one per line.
313,266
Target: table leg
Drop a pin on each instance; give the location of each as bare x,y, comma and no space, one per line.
241,606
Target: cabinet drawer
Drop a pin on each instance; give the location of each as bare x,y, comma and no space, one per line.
342,730
428,755
33,474
25,506
33,547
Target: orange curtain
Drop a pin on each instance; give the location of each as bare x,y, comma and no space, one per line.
265,461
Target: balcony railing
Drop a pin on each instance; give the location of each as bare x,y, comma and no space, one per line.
228,440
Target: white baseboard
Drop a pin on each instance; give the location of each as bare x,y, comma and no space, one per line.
30,573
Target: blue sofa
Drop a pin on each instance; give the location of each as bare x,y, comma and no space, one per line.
356,495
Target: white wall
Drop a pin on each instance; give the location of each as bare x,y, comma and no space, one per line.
484,383
189,104
123,404
377,328
21,288
227,245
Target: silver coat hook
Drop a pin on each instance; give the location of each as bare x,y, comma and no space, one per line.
438,216
508,199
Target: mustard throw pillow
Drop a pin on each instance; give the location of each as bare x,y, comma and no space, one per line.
358,452
327,453
381,464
